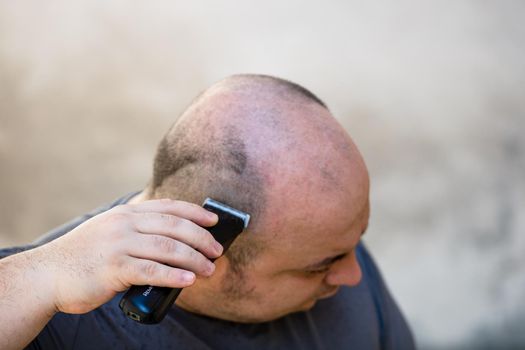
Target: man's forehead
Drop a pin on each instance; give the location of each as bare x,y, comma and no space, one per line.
300,202
311,239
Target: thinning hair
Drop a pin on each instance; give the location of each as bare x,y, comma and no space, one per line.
199,158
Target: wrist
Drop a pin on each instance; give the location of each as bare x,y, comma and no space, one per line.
39,276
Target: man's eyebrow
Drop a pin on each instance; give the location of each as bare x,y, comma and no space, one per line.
325,262
330,260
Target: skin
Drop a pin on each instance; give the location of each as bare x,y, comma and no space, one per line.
317,209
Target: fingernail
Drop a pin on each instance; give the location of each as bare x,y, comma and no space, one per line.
210,267
217,247
213,216
188,276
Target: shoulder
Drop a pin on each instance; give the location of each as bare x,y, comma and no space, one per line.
364,316
393,327
65,228
70,225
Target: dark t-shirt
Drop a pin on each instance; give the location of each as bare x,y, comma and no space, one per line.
360,317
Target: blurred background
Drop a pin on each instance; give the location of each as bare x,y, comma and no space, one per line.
433,92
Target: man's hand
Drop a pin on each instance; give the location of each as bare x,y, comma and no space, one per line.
158,242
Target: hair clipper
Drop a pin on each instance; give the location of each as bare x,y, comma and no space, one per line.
150,304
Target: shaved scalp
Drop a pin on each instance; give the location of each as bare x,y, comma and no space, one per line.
219,146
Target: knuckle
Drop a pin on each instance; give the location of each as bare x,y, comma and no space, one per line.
199,260
203,239
166,201
193,255
175,221
118,216
195,207
118,220
117,262
168,220
165,245
171,274
148,270
121,208
208,238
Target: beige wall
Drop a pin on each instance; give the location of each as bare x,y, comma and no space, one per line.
432,92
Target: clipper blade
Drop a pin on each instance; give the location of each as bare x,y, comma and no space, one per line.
211,203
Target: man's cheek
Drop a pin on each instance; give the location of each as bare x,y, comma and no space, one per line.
239,287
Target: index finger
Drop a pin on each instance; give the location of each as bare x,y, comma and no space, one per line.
182,209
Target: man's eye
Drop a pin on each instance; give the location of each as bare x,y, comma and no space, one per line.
317,272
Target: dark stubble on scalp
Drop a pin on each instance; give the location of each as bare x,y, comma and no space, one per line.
222,170
203,155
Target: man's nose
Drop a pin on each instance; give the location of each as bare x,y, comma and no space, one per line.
345,272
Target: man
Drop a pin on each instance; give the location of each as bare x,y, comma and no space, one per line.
297,278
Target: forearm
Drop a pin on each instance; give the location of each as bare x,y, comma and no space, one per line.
26,298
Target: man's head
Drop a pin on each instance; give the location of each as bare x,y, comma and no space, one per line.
270,148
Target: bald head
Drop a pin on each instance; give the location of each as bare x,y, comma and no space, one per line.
257,143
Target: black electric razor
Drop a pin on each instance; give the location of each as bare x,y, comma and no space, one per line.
149,304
